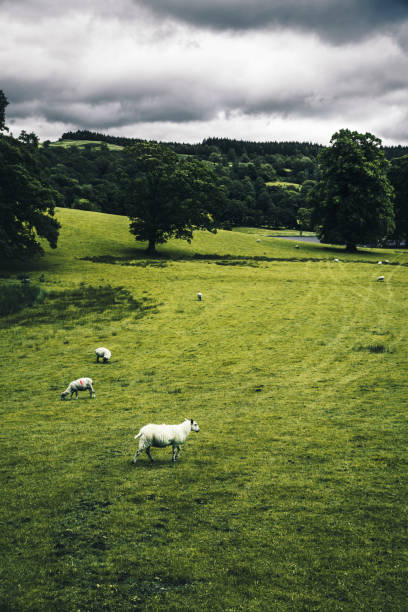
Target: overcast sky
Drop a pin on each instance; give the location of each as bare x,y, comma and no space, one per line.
184,70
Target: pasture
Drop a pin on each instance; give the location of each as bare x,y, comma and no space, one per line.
82,144
293,495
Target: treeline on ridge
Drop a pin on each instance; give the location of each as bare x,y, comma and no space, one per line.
266,183
226,146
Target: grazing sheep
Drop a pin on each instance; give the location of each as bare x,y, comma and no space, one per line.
164,435
102,353
258,240
336,260
380,278
82,384
199,296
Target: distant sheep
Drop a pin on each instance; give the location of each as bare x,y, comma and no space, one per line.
380,279
102,353
163,435
199,296
82,384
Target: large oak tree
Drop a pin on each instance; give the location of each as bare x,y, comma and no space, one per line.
353,201
398,176
168,196
26,202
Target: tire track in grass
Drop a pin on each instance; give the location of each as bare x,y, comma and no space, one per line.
317,365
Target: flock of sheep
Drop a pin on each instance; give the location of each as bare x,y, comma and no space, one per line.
150,435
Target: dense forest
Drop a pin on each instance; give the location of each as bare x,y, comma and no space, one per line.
266,183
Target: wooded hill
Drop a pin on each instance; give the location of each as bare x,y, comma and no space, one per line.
266,183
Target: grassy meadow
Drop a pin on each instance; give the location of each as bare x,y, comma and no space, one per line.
293,496
81,144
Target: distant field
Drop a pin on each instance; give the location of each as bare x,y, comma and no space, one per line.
83,143
293,496
270,233
283,184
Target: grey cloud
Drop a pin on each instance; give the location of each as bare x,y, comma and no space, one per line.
68,82
337,20
104,109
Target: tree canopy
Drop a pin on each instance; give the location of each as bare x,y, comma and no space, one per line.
3,104
353,201
168,196
398,176
26,202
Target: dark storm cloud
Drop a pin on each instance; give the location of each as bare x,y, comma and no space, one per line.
338,20
137,64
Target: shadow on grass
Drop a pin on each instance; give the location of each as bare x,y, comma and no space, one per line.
113,303
142,259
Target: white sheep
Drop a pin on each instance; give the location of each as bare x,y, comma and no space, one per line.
380,279
164,435
102,353
82,384
199,296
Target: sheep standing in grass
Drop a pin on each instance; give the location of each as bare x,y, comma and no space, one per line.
82,384
164,435
102,353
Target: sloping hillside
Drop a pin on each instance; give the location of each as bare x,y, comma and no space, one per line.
291,496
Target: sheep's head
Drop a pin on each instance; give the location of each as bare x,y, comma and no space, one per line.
194,425
64,394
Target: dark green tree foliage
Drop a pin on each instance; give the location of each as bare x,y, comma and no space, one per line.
26,203
3,104
168,196
398,175
353,200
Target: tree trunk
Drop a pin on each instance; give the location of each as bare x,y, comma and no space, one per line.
151,248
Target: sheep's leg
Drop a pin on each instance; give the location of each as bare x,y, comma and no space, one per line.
176,450
143,445
136,456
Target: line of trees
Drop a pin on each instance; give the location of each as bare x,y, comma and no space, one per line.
348,191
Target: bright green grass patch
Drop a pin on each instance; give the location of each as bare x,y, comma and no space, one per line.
285,184
293,496
270,233
81,144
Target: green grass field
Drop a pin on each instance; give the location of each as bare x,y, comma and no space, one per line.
293,496
284,184
81,144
